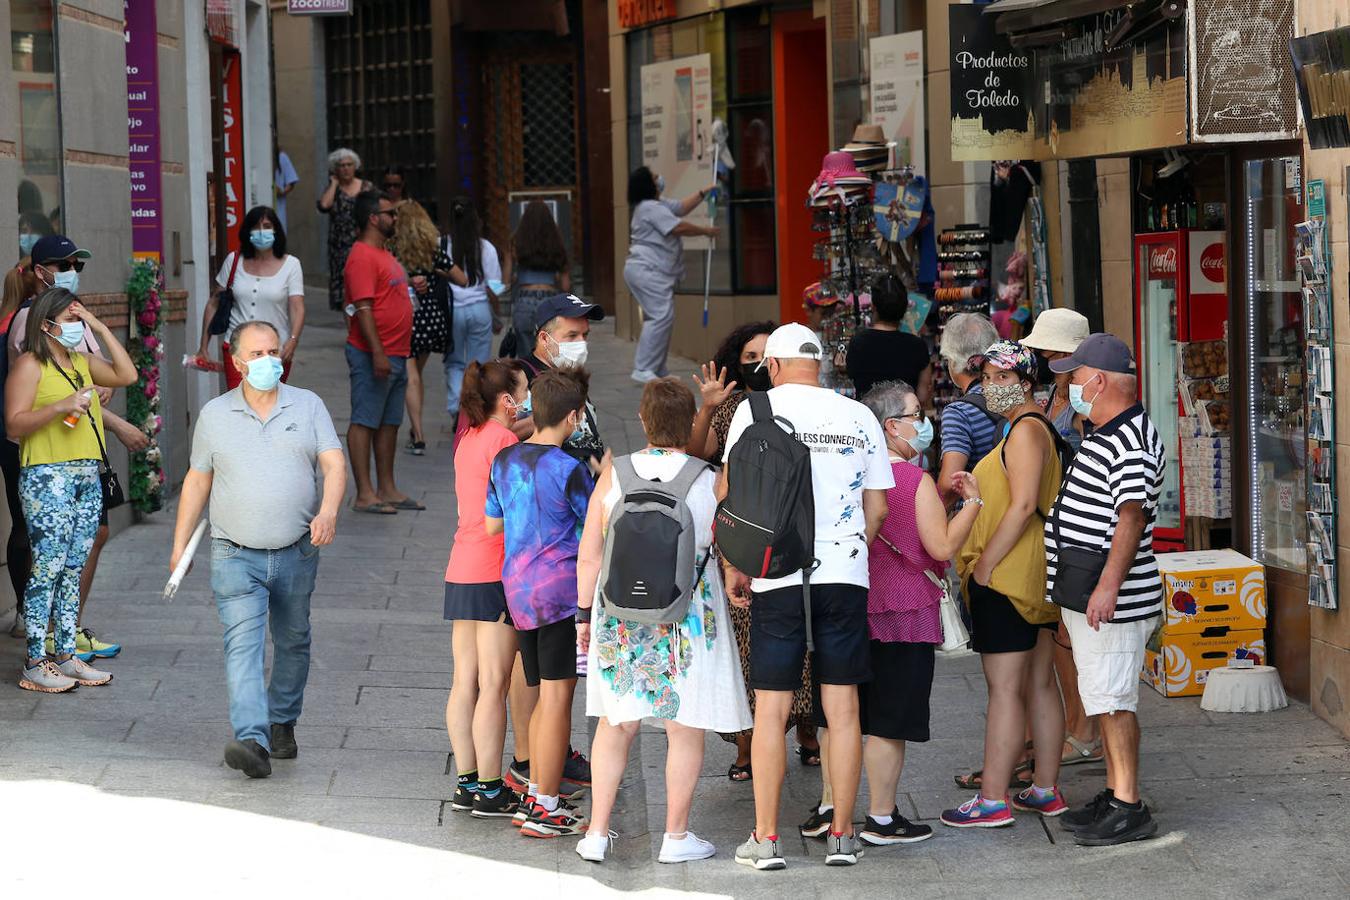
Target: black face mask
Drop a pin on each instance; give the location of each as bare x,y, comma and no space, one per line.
755,380
1043,374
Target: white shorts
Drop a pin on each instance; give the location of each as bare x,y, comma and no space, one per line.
1108,661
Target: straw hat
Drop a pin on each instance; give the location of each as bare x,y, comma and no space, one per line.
838,176
867,133
1058,331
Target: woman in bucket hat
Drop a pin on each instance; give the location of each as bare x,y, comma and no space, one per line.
1056,334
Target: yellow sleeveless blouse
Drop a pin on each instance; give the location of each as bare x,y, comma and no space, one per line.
55,442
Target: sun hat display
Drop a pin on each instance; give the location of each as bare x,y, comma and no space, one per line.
839,178
868,148
1058,331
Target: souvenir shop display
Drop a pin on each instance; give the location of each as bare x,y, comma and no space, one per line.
1314,268
1203,427
963,286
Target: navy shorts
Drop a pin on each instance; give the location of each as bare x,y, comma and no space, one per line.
894,704
484,602
548,652
778,637
376,401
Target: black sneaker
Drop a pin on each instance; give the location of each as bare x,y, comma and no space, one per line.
248,757
502,806
899,831
463,799
1083,816
1119,825
818,825
283,741
577,768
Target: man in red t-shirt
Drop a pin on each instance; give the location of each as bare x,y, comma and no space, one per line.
379,341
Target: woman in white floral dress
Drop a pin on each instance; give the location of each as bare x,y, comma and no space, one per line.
688,675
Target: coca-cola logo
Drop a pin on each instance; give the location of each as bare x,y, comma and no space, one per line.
1162,261
1211,263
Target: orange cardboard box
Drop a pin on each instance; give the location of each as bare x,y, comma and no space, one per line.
1205,589
1178,665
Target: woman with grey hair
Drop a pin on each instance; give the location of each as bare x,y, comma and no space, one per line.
904,622
339,204
969,430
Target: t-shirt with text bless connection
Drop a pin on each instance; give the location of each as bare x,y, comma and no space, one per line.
476,556
373,274
848,456
541,494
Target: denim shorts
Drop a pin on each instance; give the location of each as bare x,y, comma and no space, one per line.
778,637
376,401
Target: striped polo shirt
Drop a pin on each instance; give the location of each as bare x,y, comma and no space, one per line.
1119,462
968,429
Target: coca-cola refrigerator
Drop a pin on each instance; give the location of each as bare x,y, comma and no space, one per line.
1180,296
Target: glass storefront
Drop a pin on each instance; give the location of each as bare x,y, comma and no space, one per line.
33,60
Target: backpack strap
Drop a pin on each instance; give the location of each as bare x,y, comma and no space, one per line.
977,400
626,474
684,480
760,407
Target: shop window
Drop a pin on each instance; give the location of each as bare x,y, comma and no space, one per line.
740,43
1271,292
32,42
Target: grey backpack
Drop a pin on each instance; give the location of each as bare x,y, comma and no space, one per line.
650,569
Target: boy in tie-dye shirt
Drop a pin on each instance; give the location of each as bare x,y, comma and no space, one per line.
537,495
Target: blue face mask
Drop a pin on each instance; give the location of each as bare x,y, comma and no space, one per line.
72,333
68,280
262,238
526,408
923,436
577,433
264,373
1080,406
27,242
661,184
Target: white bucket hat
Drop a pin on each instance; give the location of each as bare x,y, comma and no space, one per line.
1058,331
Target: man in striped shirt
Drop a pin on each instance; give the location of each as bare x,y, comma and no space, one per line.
1108,504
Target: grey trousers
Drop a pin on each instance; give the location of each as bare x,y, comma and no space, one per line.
655,293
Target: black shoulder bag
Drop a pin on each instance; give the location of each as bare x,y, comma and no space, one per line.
224,303
1077,569
112,485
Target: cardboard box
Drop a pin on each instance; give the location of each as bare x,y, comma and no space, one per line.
1212,588
1178,665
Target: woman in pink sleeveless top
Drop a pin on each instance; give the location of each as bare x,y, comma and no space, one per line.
903,617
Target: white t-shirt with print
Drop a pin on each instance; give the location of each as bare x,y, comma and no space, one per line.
848,456
476,292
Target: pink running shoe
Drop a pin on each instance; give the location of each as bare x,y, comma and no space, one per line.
973,814
1049,807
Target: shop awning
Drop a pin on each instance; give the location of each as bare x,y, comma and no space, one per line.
1026,15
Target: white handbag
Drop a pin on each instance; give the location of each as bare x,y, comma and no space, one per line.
955,638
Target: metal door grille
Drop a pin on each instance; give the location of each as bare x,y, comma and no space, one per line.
380,102
548,113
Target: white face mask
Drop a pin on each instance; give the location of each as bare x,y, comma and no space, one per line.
571,355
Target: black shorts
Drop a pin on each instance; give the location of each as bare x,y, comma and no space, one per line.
549,652
996,625
778,636
894,704
484,602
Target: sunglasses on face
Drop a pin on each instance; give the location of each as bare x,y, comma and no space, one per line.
64,265
393,185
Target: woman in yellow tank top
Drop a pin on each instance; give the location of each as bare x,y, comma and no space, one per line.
1002,569
52,410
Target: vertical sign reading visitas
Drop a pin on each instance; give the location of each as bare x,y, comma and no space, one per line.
677,128
232,135
897,94
991,90
147,231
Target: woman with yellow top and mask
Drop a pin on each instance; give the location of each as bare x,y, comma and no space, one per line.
1002,568
53,412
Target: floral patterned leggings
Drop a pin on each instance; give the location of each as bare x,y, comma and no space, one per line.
61,502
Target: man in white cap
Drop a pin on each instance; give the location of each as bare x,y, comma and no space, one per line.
850,474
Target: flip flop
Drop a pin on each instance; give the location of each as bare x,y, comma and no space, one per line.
1081,752
1021,777
740,773
407,503
378,509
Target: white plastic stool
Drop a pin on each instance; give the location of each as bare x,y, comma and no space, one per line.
1257,689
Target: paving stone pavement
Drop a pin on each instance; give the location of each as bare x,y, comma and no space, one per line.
1249,806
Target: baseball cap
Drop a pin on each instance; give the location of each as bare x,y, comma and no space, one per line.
56,246
791,341
1058,330
569,306
1099,351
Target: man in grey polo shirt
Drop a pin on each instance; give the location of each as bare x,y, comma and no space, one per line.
255,454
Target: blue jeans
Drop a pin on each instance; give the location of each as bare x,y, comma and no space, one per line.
249,584
473,343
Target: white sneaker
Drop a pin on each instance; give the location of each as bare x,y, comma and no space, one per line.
642,376
594,847
80,671
685,849
44,676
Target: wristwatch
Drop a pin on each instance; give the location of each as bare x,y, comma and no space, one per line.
583,615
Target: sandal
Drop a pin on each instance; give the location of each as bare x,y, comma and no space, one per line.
1021,776
379,509
809,756
740,773
407,503
1081,752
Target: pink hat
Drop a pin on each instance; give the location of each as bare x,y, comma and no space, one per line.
838,175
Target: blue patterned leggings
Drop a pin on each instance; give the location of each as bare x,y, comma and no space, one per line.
61,502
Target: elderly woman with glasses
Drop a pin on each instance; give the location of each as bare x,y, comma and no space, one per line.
339,204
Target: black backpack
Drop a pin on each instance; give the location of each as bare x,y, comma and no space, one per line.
766,525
